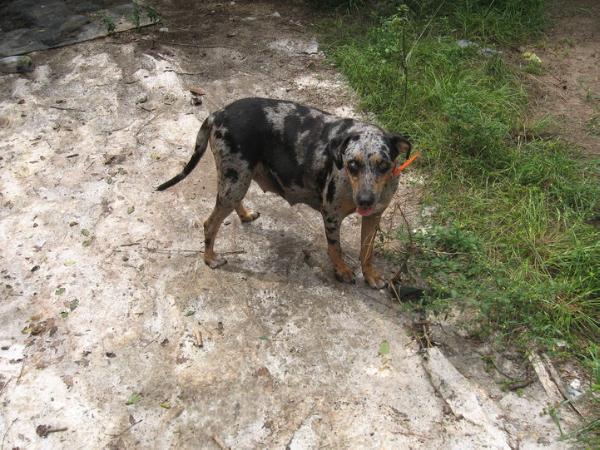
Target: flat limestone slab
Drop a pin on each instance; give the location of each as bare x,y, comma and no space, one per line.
31,25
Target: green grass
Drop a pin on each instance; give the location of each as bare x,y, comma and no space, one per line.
509,238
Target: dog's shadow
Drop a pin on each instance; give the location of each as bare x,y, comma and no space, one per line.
286,256
297,260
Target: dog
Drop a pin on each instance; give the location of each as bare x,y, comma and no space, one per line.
335,165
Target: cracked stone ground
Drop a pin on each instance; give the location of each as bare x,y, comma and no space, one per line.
110,324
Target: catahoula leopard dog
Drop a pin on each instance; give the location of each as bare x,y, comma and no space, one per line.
337,166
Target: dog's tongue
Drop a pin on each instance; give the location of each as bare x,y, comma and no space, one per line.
364,211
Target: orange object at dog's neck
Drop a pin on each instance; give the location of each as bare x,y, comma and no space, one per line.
396,171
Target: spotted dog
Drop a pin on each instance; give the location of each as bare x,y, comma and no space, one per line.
335,165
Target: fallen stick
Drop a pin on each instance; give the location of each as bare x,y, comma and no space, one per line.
544,377
145,124
190,251
130,244
519,384
126,429
63,108
45,430
198,336
6,433
186,44
219,442
183,73
559,384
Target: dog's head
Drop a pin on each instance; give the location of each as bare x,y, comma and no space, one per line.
368,158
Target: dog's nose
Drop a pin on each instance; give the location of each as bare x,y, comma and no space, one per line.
365,199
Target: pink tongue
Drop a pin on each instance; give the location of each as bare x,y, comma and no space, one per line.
364,211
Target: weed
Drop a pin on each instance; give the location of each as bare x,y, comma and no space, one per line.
135,14
567,41
109,22
592,126
533,68
141,9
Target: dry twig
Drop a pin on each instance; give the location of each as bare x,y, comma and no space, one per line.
63,108
220,442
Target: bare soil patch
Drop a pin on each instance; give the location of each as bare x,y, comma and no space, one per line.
569,88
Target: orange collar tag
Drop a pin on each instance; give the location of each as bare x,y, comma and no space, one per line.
405,164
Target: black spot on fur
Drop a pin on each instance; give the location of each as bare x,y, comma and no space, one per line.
218,134
330,191
340,127
302,110
218,119
232,174
331,229
322,175
384,153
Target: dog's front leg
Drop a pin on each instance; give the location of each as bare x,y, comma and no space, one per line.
334,249
367,239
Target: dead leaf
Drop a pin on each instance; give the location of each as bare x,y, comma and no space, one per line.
196,90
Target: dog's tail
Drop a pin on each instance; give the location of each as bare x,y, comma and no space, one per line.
201,144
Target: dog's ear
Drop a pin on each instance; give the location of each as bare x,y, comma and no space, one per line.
337,146
399,144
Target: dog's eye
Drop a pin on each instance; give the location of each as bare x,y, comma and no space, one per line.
353,167
383,166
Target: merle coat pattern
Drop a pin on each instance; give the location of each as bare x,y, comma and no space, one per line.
335,165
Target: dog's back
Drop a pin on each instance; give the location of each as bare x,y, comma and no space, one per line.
290,140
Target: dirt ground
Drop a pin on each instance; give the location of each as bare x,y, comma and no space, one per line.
114,332
569,87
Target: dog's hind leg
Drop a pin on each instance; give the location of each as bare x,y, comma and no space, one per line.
246,215
211,228
234,181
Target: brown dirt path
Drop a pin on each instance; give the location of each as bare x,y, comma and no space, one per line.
569,88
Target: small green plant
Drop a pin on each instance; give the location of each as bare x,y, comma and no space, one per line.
133,399
592,126
567,42
152,13
141,9
109,22
533,63
135,14
533,68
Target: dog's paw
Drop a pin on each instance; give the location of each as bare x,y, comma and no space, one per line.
344,275
250,216
215,262
375,281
